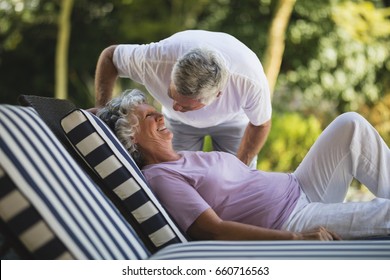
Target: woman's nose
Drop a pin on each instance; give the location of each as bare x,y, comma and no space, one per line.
159,116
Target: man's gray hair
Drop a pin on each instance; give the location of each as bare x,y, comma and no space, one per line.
119,115
200,74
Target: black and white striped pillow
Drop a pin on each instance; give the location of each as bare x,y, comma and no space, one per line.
102,151
49,204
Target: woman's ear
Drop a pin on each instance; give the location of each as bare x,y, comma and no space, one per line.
134,139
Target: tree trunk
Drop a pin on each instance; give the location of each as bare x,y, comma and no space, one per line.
276,41
61,63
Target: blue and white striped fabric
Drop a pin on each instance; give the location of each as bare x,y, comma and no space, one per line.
22,220
102,151
282,250
71,207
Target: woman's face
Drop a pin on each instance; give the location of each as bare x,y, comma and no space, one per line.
151,129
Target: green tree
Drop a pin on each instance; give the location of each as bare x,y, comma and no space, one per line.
61,65
276,41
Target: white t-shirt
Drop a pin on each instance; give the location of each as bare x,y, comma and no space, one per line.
246,95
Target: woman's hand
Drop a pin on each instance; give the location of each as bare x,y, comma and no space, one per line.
320,233
93,110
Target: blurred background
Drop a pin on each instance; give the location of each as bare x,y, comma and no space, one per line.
321,57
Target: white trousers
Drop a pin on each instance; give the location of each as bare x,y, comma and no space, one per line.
348,148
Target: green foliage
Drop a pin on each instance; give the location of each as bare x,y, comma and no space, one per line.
144,22
379,116
290,139
327,68
16,16
247,20
362,20
207,145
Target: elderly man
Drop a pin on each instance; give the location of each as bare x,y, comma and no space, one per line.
208,83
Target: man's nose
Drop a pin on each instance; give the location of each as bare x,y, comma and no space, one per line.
176,106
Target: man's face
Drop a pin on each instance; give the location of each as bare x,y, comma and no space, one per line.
182,103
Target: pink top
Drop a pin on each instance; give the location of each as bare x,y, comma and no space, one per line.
198,180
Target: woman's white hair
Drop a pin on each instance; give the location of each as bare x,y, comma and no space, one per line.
119,115
200,74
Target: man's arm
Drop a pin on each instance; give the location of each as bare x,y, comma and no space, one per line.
105,77
208,226
253,140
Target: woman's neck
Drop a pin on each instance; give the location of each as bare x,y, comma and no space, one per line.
160,154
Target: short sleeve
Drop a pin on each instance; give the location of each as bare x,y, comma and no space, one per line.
129,61
258,106
180,199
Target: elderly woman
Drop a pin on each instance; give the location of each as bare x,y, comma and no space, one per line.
215,196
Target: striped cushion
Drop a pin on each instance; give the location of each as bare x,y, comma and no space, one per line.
49,203
23,220
267,250
99,147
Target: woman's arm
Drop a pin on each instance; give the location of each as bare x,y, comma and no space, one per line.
208,226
